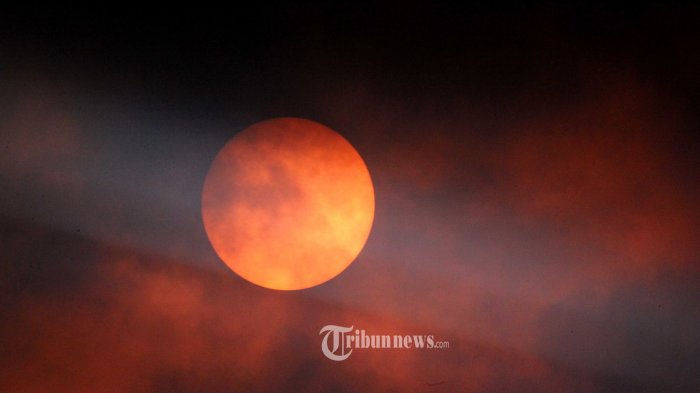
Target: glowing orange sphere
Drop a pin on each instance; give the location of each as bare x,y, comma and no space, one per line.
288,203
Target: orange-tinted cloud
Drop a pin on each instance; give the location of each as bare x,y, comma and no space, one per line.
546,248
134,323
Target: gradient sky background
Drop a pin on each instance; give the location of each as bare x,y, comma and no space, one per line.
536,180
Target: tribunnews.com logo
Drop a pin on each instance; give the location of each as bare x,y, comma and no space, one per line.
339,341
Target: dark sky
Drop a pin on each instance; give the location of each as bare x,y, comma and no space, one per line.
536,180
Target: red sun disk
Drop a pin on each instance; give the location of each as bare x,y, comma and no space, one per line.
288,203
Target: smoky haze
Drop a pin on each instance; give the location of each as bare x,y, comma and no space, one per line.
535,174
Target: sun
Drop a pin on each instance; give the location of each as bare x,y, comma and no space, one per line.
288,203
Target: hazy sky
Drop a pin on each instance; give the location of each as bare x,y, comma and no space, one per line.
535,172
